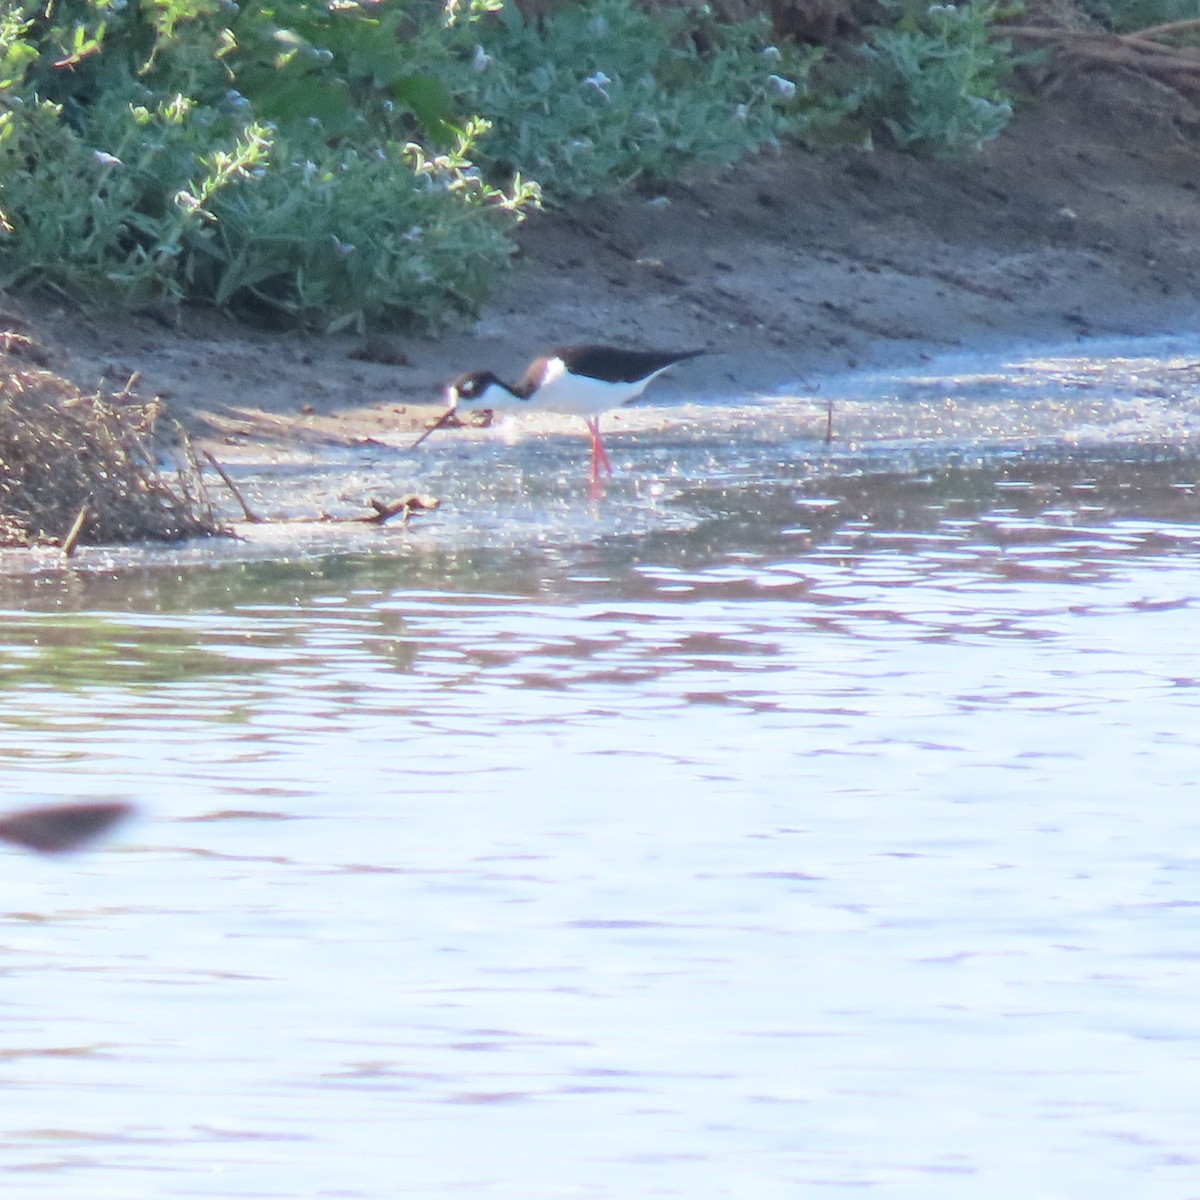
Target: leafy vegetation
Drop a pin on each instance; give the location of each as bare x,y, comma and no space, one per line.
935,78
603,94
189,149
340,162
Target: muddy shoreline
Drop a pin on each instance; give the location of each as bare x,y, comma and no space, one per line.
1082,220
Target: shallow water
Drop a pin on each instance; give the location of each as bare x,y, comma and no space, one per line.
797,819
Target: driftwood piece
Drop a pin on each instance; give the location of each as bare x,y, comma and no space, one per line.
404,508
1140,50
384,511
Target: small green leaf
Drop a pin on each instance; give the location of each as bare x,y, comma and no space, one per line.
426,96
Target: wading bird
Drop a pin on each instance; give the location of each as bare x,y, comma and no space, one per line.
582,381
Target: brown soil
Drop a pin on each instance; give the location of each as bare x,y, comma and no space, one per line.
1083,219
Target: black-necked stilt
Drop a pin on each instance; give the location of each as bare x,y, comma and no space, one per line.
582,381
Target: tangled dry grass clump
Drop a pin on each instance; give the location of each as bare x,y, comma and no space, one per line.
78,467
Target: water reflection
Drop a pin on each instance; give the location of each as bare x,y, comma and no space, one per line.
818,833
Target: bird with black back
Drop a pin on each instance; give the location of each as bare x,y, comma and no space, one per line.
583,381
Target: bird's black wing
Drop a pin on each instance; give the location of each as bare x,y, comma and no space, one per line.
614,365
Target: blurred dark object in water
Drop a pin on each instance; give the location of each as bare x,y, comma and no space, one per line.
61,827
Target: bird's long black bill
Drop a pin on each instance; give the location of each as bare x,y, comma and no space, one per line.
440,423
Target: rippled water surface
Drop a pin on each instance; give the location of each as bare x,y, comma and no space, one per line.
792,821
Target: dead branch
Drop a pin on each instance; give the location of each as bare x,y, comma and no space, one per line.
383,512
405,506
72,538
247,511
1137,50
1171,27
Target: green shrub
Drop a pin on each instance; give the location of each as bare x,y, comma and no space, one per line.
933,79
313,160
192,150
603,94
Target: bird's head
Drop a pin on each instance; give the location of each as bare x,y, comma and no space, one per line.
478,390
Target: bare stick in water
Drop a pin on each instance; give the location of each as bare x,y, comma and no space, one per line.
250,514
72,538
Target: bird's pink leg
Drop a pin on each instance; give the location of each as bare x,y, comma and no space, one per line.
599,454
